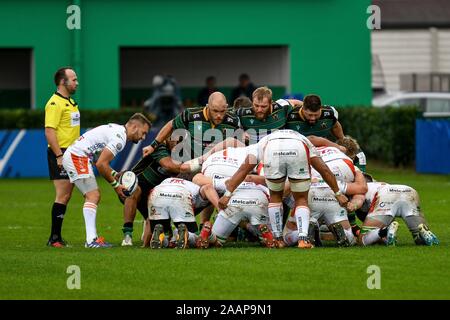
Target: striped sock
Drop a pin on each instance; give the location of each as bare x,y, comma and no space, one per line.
90,214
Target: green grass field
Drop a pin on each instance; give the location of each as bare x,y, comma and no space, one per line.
30,270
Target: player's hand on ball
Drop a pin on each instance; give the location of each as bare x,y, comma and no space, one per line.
118,175
119,190
148,150
223,202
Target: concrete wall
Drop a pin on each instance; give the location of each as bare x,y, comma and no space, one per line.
328,41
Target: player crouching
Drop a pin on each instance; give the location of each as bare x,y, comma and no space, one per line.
174,199
383,203
249,202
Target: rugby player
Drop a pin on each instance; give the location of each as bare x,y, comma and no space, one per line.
150,172
98,147
381,205
199,122
313,119
265,115
175,200
249,201
285,154
324,206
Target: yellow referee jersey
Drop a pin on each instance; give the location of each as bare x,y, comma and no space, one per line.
62,114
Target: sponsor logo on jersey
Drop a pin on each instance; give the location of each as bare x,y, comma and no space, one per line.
289,153
324,199
195,116
323,125
252,121
245,202
175,180
171,195
96,147
399,190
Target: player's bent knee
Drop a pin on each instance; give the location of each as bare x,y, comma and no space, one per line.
86,185
300,185
93,196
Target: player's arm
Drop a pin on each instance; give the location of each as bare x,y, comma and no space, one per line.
107,172
324,142
194,165
231,184
53,115
356,202
337,130
318,164
228,142
208,192
162,135
170,165
200,179
50,135
295,102
256,179
359,186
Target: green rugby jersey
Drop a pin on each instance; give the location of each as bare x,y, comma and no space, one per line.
202,131
150,169
322,128
258,129
360,160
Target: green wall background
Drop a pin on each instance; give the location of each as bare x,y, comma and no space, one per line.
328,40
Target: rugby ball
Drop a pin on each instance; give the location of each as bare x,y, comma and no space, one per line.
129,180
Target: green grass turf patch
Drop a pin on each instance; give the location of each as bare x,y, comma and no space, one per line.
30,270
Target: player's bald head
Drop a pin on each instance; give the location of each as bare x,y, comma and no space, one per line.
217,107
217,98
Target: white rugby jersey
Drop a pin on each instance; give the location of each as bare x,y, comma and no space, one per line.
338,162
175,185
331,153
373,188
225,163
111,136
258,149
220,187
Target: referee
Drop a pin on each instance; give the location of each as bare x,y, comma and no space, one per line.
62,128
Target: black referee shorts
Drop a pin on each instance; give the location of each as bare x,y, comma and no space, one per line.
54,171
